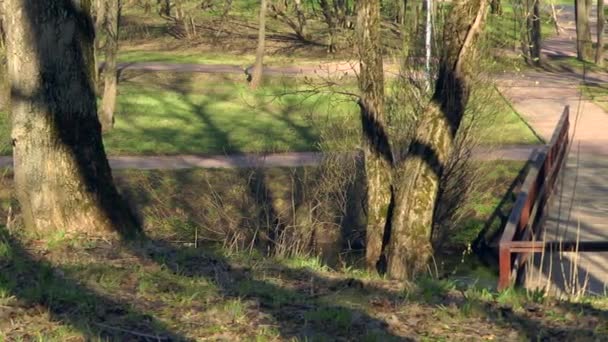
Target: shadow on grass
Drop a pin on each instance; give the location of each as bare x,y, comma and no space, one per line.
41,287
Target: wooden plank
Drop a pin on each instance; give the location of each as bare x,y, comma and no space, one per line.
536,191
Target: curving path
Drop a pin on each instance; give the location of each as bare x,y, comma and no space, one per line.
580,207
256,160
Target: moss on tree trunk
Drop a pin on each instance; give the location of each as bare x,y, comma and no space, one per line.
377,149
416,179
62,177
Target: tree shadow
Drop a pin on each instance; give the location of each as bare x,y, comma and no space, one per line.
39,285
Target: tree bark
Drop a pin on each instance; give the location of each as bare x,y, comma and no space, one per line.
330,20
299,25
62,177
533,32
376,146
601,21
416,182
258,69
496,7
583,30
110,73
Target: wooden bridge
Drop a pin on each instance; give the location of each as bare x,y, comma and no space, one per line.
556,237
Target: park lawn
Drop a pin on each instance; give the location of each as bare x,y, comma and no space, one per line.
161,113
169,286
219,114
180,113
497,121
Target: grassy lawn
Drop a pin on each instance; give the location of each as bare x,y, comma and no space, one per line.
163,113
168,287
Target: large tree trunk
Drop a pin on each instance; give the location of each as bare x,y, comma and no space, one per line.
258,68
417,178
62,178
601,21
583,30
376,147
110,73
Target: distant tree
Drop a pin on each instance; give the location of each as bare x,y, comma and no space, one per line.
62,177
496,7
281,10
531,42
258,69
330,17
601,21
583,30
110,74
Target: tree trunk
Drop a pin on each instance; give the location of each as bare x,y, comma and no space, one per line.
583,30
62,177
416,182
330,20
601,21
110,73
301,17
258,68
533,32
376,147
496,7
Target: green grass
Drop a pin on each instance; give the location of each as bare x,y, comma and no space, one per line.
495,179
162,113
209,114
87,289
497,122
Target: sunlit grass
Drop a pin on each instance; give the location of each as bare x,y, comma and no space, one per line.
162,113
598,93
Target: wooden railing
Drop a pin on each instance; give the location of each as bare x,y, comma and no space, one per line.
518,239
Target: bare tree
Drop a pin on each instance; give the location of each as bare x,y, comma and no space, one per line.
62,177
583,30
111,29
330,19
258,69
601,21
279,10
532,35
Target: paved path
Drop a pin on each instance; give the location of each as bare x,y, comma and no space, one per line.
580,207
321,69
254,160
